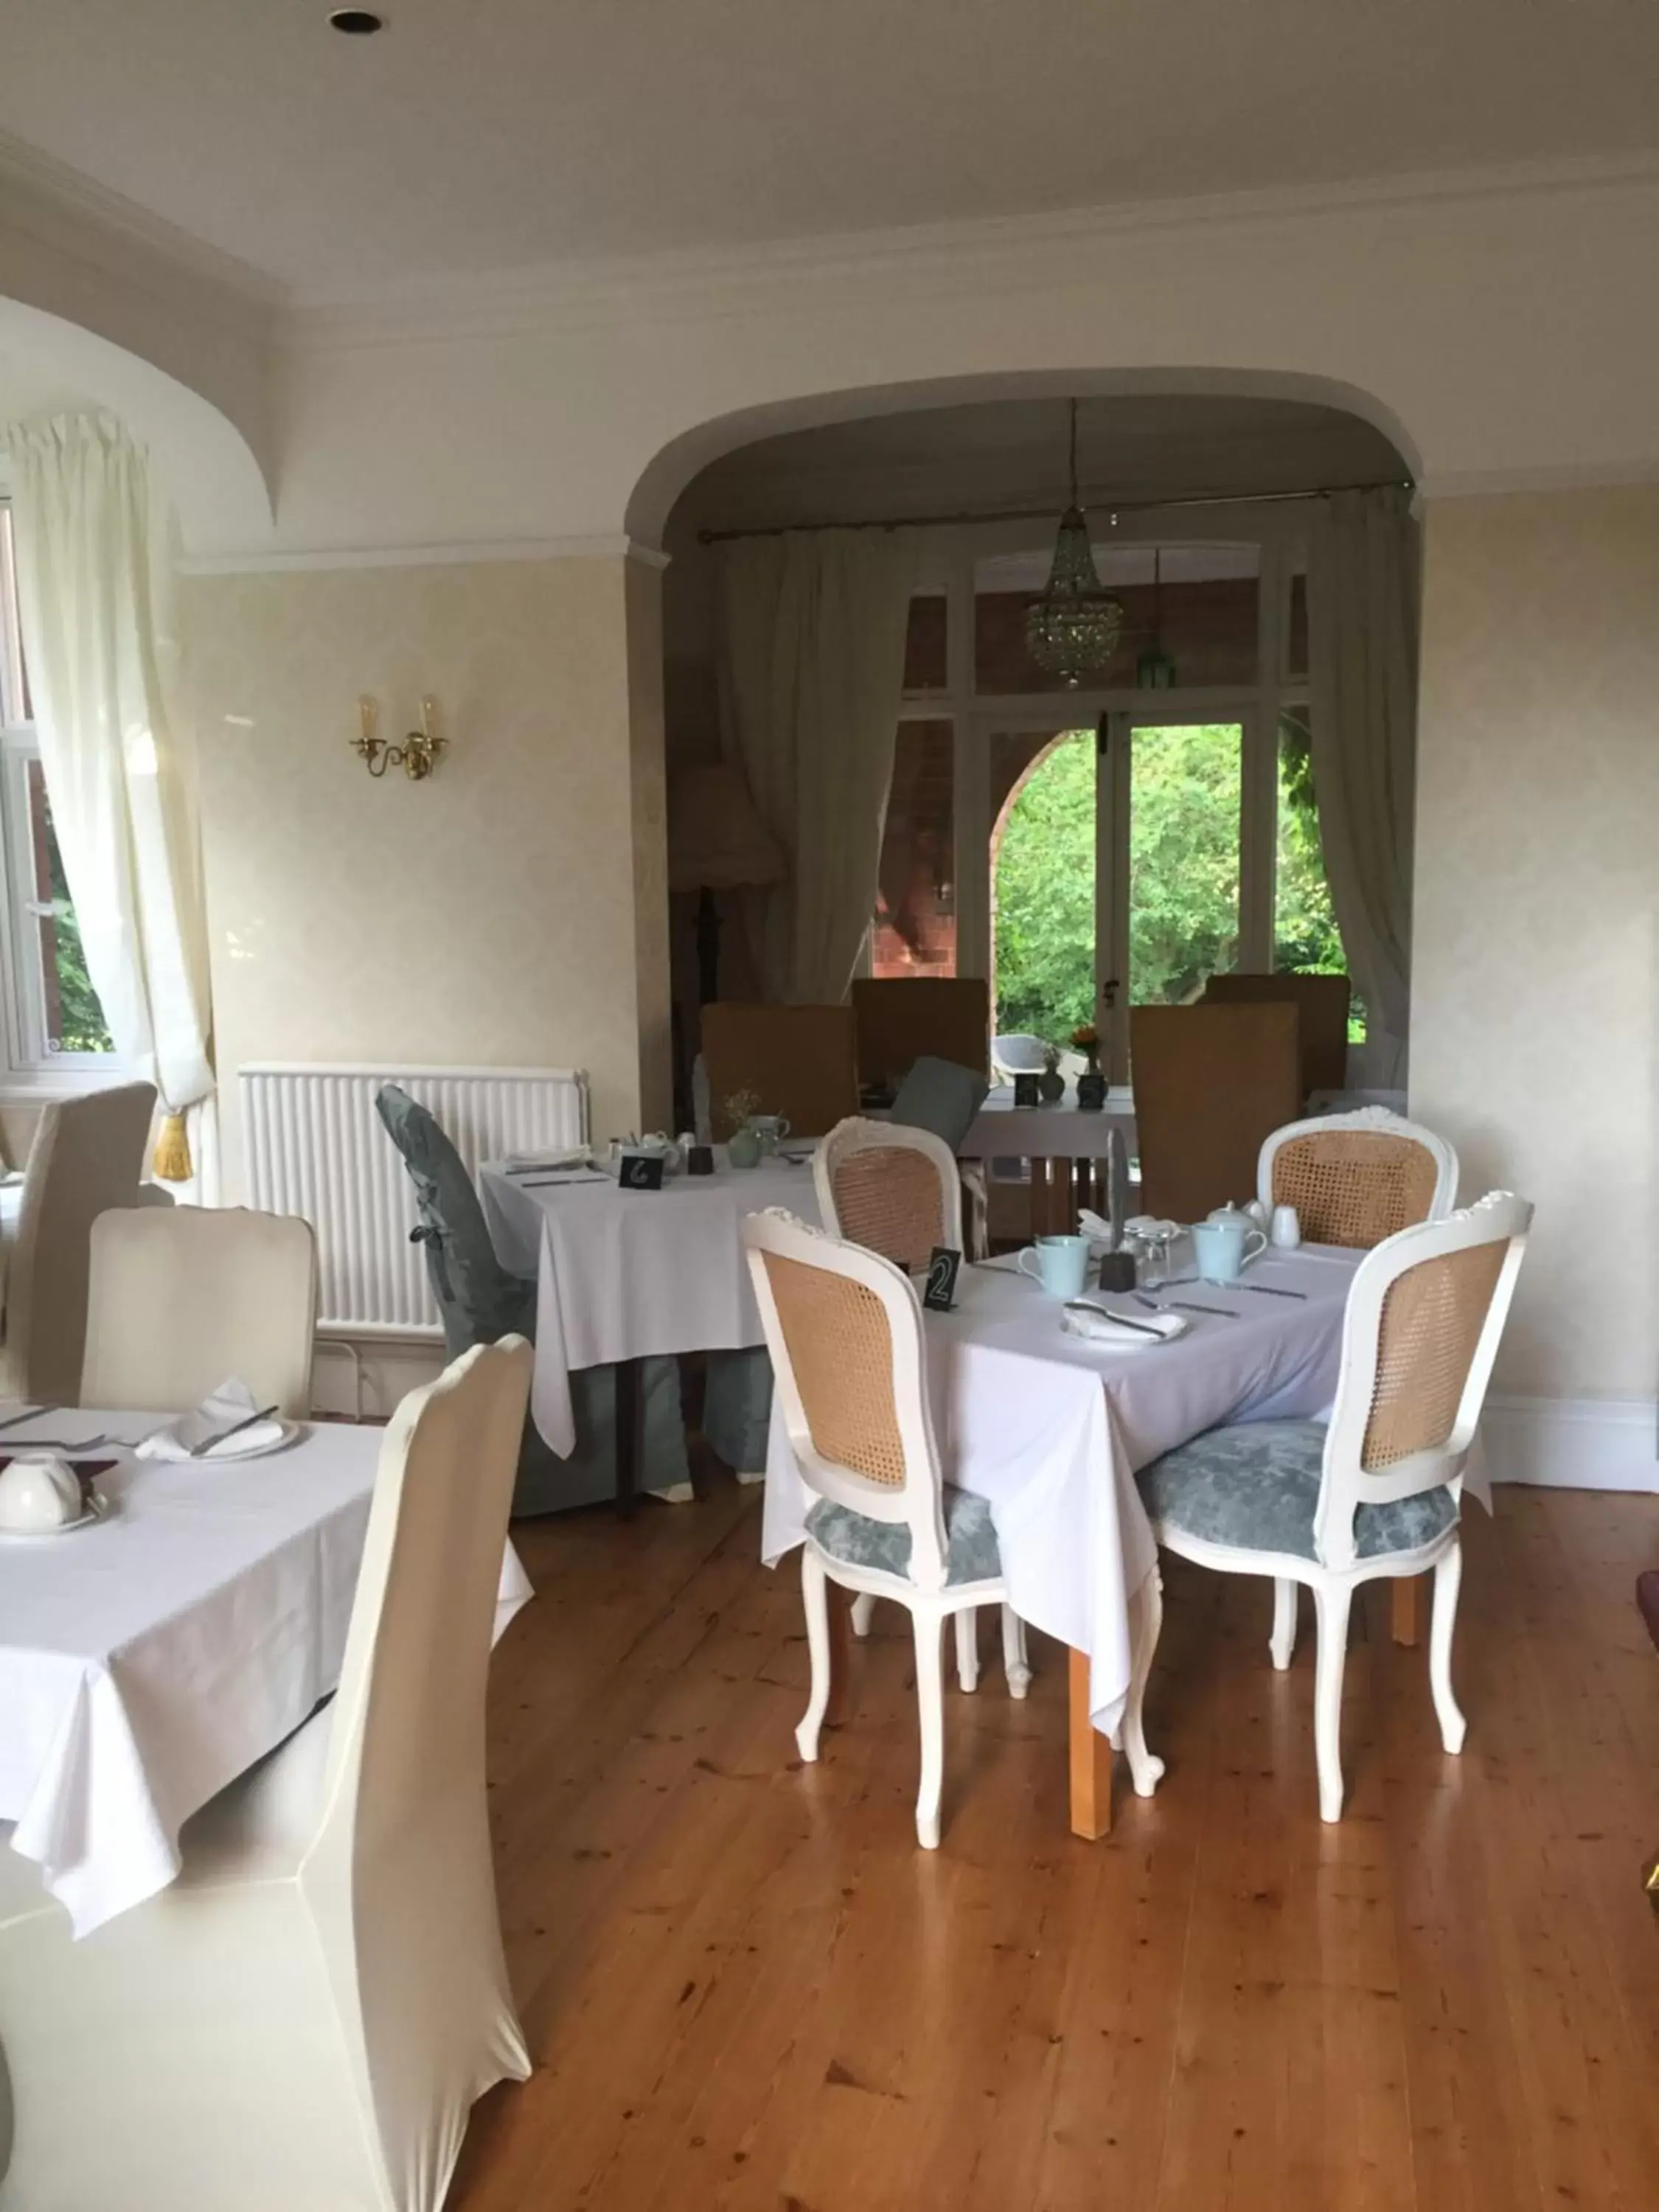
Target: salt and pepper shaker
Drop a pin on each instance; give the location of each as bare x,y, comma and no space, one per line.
1286,1231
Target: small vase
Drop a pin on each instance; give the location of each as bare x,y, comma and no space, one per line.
1091,1090
1051,1086
744,1151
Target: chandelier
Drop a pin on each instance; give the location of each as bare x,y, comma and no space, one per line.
1072,631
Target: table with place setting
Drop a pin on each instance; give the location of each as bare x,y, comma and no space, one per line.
187,1625
1052,1428
625,1275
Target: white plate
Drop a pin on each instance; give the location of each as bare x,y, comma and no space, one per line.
100,1510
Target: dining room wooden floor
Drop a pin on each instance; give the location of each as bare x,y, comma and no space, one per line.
745,1989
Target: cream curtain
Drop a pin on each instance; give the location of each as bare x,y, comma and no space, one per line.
812,672
94,575
1363,617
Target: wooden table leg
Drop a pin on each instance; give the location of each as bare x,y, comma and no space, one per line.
630,1411
1405,1606
1091,1759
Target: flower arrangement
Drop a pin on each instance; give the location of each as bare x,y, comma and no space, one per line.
739,1107
1086,1037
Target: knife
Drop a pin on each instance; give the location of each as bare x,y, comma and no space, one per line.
223,1435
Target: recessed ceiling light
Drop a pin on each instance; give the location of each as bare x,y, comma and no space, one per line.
356,22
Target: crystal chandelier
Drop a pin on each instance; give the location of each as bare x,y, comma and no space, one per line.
1072,631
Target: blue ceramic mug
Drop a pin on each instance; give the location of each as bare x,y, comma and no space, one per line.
1225,1245
1062,1265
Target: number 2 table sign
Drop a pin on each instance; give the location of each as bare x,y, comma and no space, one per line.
939,1292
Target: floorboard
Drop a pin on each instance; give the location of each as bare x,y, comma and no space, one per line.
745,1989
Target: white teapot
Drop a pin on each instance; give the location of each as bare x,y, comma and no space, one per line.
655,1146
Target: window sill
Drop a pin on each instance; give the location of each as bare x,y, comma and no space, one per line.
32,1087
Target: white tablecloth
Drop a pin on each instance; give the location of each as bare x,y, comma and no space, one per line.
629,1274
1052,1430
146,1663
1001,1130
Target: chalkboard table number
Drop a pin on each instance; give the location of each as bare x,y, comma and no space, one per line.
940,1294
1025,1091
640,1171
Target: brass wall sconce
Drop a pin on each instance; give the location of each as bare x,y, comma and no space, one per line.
417,756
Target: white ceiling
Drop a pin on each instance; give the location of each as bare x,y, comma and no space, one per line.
1012,454
480,137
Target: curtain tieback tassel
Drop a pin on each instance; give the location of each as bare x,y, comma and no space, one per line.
171,1163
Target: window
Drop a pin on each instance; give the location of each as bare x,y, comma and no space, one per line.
53,1022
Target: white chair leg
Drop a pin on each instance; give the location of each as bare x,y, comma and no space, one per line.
930,1701
864,1611
1015,1664
967,1627
1146,1624
815,1597
1448,1578
1283,1646
1332,1603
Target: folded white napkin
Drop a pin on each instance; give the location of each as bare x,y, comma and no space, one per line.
573,1156
1097,1229
1137,1331
231,1402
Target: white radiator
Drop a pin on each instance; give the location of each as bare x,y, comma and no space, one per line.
315,1146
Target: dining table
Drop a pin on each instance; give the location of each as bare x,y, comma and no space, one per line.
150,1658
1064,1142
1052,1429
625,1275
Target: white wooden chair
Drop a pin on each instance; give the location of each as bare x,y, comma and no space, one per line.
897,1190
1018,1053
1356,1178
181,1299
1377,1493
87,1155
844,1327
305,2016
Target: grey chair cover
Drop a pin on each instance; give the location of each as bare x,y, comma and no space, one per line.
941,1098
737,1408
479,1302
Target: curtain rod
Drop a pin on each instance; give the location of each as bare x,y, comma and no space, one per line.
1113,506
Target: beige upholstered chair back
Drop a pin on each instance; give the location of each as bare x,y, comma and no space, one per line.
86,1156
1322,1005
182,1299
894,1189
1212,1083
900,1019
797,1060
1420,1331
844,1327
1356,1178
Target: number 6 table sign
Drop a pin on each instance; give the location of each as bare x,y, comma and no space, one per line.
640,1171
940,1291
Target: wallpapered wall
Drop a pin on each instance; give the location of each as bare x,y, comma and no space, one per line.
1536,951
488,916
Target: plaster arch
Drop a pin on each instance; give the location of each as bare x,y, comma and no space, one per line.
675,466
202,460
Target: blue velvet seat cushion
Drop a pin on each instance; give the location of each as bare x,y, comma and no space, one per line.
1256,1486
970,1541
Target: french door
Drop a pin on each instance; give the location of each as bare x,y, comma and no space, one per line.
1123,861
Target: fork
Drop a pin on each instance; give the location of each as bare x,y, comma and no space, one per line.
29,1413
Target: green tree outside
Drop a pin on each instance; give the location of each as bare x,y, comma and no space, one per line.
1184,854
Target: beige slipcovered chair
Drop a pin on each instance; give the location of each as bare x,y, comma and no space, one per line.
901,1018
897,1190
180,1300
1376,1493
1356,1178
88,1156
1322,1003
1212,1084
844,1327
305,2016
798,1061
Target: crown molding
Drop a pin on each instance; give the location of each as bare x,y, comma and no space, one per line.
1577,476
322,559
718,281
58,207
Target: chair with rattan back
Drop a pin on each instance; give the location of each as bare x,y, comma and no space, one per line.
1377,1492
844,1328
893,1189
1356,1178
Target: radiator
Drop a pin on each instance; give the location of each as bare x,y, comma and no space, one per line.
315,1145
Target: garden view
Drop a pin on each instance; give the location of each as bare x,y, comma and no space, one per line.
1184,856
